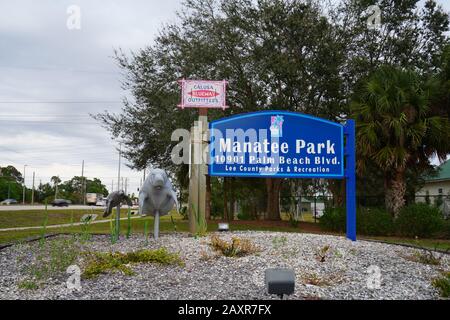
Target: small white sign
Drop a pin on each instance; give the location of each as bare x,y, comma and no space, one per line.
203,94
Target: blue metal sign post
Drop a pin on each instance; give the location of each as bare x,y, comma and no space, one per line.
281,144
350,179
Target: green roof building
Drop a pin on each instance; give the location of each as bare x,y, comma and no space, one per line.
437,186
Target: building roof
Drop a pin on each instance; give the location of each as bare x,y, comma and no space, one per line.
443,173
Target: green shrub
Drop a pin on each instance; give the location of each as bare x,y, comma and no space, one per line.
333,219
369,221
243,215
445,230
419,220
99,263
374,222
443,285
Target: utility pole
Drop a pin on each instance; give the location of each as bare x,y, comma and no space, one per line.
126,185
32,191
118,176
112,185
145,169
24,187
83,185
118,188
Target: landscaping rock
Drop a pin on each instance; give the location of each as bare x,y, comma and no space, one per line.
344,270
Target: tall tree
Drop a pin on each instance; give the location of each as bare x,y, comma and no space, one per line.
275,54
396,127
10,172
56,180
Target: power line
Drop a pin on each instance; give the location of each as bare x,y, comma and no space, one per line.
64,69
59,102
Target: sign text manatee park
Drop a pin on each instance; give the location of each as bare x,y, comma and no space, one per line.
281,144
276,143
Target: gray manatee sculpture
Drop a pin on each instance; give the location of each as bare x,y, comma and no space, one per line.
157,197
114,199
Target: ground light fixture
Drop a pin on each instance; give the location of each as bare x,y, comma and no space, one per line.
280,281
223,226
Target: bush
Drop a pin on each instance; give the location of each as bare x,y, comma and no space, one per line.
443,285
333,219
445,230
243,215
419,220
236,248
374,222
99,263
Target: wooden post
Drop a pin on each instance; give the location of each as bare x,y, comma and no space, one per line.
197,173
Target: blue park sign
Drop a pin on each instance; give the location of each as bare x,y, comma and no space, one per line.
281,144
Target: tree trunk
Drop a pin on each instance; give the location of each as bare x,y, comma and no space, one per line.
395,191
337,189
225,198
273,186
232,199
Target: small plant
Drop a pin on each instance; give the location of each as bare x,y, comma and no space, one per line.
44,227
426,256
322,253
293,222
173,223
129,223
204,256
52,259
443,285
112,230
99,263
236,248
201,227
279,242
184,213
85,223
28,285
316,280
146,232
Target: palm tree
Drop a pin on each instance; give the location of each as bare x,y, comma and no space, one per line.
396,128
56,180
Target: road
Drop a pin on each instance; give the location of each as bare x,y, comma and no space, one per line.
42,207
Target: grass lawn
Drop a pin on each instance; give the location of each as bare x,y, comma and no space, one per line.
30,218
10,219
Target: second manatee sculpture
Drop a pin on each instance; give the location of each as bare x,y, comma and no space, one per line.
157,197
114,199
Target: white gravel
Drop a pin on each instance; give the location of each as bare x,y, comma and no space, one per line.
344,272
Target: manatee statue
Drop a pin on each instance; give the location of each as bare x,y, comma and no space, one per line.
114,199
157,196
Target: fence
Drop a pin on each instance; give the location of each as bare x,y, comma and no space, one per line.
311,208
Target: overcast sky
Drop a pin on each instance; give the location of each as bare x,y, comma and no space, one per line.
44,65
52,77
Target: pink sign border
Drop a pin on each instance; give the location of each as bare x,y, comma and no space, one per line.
183,82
